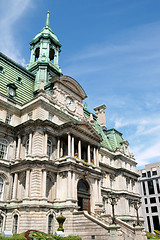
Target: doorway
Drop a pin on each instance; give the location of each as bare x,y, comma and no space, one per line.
83,191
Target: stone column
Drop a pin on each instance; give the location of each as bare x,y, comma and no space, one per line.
69,144
69,183
61,148
89,154
45,144
74,188
30,144
27,185
58,186
15,184
94,156
58,147
99,191
97,158
96,190
44,178
18,148
72,146
79,149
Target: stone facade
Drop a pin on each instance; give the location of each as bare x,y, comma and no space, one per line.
57,157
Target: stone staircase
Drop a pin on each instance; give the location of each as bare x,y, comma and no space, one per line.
93,226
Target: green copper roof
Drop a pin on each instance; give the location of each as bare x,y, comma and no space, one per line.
46,32
111,138
15,75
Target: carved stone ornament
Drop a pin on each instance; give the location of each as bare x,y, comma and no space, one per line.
63,174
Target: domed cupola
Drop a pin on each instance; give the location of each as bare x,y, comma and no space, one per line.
45,49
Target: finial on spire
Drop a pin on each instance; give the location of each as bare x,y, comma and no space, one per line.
47,19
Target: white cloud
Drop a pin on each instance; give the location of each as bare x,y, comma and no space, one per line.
14,10
147,155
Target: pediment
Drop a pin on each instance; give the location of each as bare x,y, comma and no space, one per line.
71,84
87,128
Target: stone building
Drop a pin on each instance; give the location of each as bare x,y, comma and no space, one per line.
149,183
58,157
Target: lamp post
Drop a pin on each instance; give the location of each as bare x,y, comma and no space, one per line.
113,198
137,204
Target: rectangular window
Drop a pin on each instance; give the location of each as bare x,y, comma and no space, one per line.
153,200
154,171
154,209
143,174
156,222
157,184
145,200
149,174
150,187
8,118
147,211
144,188
149,224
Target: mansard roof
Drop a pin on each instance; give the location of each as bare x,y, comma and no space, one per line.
15,74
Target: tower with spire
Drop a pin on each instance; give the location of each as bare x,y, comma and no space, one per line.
45,49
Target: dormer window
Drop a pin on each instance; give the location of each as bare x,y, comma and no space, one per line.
12,90
2,69
19,79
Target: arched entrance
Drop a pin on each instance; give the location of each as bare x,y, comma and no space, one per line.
83,192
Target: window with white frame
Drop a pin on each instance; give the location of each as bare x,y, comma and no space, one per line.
1,187
1,223
8,118
15,224
3,148
50,224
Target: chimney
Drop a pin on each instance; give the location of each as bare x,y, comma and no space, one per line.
100,113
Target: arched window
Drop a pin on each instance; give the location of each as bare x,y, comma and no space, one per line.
49,148
3,148
27,146
37,53
51,55
1,187
50,224
1,223
15,223
83,192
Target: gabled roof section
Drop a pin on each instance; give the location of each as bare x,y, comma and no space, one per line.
71,84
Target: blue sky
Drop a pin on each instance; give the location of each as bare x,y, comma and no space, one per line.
111,47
